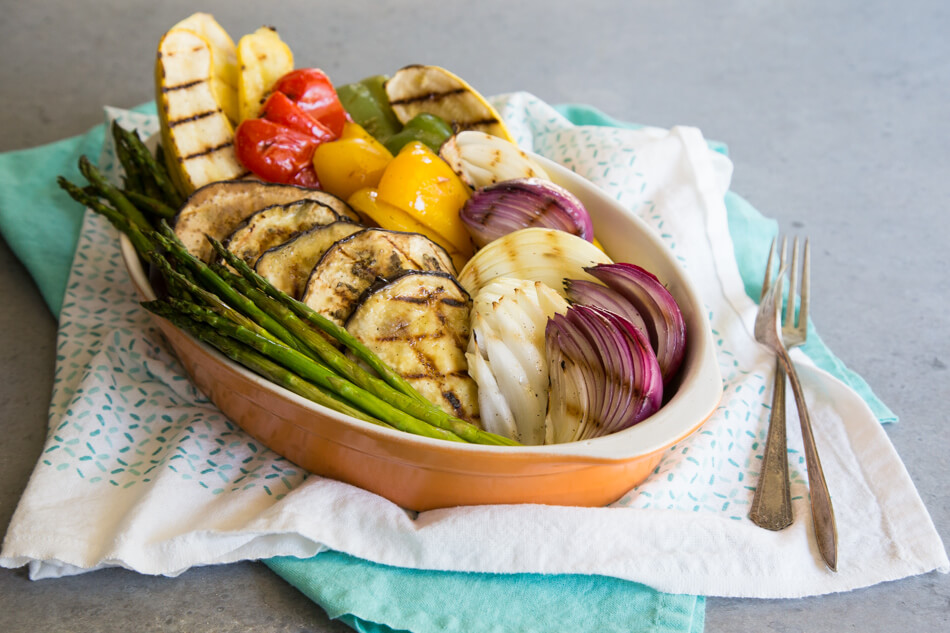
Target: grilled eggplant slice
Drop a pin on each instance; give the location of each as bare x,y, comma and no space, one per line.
287,266
355,263
275,225
418,323
219,208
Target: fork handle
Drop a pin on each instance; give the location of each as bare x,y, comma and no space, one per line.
772,503
823,515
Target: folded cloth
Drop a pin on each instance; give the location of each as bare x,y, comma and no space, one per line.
130,438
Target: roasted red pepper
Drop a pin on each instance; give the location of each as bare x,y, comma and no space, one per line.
277,153
302,112
280,109
311,89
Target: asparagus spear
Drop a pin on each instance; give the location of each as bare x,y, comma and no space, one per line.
148,204
318,320
110,193
256,362
123,223
133,176
214,283
304,366
152,167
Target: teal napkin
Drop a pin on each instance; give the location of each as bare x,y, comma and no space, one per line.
41,225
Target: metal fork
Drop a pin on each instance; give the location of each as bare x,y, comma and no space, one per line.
769,332
772,503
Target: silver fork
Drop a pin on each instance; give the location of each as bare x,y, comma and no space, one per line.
772,503
769,332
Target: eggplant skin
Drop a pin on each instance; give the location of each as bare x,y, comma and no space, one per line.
272,226
287,266
220,207
353,264
418,323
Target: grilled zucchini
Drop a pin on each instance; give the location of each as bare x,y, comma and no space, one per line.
219,208
418,323
275,225
355,263
287,266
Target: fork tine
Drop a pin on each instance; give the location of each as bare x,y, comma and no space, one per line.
789,320
768,270
806,277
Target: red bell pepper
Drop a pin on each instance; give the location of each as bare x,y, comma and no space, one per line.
302,112
277,153
311,89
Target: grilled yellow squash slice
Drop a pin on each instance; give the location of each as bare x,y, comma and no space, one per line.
224,60
196,133
263,58
435,90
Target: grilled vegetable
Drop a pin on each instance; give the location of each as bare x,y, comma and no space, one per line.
217,209
604,375
312,91
421,184
510,205
507,358
367,104
366,201
419,325
275,225
263,58
196,134
426,128
351,162
545,255
353,264
224,57
481,159
287,266
432,89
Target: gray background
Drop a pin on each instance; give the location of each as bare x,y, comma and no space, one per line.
837,117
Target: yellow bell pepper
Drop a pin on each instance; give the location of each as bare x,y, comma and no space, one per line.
351,162
366,202
424,186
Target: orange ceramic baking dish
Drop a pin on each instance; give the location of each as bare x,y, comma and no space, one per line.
420,473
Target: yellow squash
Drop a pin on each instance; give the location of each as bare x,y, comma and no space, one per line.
263,58
197,136
224,60
435,90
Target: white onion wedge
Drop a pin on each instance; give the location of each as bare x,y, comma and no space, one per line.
536,254
481,159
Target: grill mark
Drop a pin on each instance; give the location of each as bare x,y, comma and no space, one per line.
428,96
184,86
210,150
196,117
480,123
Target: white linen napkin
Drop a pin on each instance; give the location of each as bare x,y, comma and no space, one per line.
141,471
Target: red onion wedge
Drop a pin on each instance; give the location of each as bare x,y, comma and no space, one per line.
664,321
593,294
604,374
498,210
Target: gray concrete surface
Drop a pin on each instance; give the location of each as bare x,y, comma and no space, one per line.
837,116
